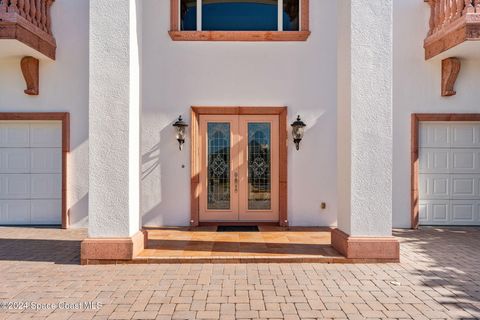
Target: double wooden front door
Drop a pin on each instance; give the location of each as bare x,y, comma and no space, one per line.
239,174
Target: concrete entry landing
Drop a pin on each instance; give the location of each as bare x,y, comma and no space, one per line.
271,244
206,245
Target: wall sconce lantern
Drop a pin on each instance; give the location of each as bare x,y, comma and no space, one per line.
298,131
181,127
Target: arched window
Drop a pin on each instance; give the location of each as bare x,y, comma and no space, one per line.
239,20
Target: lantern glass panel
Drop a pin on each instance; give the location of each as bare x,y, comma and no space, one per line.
297,132
181,133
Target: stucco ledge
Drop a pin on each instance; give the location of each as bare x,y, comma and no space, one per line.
379,248
112,249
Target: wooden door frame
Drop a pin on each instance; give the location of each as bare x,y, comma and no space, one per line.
195,158
416,118
64,117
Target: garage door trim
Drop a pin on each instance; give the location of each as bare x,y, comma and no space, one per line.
64,117
416,118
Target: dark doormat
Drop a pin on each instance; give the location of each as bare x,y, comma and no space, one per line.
237,229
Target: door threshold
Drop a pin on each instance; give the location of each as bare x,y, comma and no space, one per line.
238,223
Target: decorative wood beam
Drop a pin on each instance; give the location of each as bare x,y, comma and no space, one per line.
450,70
30,70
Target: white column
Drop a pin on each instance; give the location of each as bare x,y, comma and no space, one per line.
365,120
114,119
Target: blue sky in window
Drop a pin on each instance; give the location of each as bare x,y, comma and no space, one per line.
236,16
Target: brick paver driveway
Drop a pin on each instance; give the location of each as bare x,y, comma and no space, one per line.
438,277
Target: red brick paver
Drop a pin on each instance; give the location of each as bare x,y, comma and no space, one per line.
438,278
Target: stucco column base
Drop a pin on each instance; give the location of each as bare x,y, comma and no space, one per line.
378,248
108,250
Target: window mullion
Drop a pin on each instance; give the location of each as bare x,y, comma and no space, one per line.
280,15
199,15
179,15
300,2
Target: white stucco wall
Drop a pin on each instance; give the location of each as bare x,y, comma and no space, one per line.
344,99
417,89
300,75
365,117
63,88
114,118
176,75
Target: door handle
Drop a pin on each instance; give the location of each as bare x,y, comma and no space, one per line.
236,181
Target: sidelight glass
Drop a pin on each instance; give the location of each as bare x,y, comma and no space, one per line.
188,15
218,168
240,15
291,15
259,166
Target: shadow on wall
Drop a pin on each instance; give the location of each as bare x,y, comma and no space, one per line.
77,169
310,179
81,205
445,260
162,176
150,161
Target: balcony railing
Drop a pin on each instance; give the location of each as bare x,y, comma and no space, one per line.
451,23
30,22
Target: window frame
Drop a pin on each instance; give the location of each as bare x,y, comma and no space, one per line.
179,35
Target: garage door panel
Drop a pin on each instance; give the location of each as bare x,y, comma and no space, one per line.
434,186
464,212
464,186
465,160
46,160
434,160
45,135
436,212
46,211
440,212
434,135
46,186
14,135
465,135
14,212
14,186
449,189
14,160
30,172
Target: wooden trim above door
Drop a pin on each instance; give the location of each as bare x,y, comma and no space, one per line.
64,117
416,118
195,157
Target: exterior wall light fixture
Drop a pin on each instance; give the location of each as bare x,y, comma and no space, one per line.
298,129
181,127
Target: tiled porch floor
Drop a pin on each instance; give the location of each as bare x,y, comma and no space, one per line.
204,244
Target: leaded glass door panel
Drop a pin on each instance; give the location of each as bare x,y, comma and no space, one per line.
258,168
240,170
219,177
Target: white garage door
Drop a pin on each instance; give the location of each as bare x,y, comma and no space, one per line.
449,169
30,172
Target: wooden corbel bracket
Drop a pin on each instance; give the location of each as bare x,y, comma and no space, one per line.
30,70
450,70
